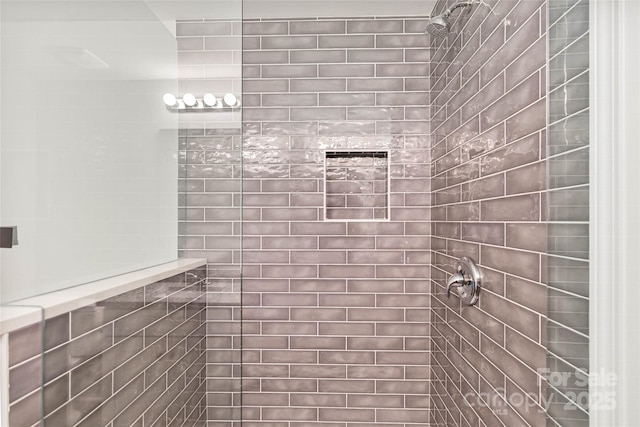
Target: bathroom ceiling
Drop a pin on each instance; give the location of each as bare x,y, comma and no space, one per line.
170,10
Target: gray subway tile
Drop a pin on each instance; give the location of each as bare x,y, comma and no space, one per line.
250,43
491,233
570,27
318,85
346,41
522,152
415,25
262,86
25,343
322,113
290,128
571,240
265,28
519,263
417,55
90,317
289,42
317,27
190,43
265,57
524,94
532,59
529,120
226,43
289,71
88,373
403,40
375,55
25,378
375,113
569,133
417,84
375,84
527,34
492,186
344,99
26,412
346,70
571,344
515,208
137,320
204,57
569,62
569,98
569,310
318,56
403,70
568,275
82,405
131,368
570,204
140,404
203,29
527,236
401,98
116,403
77,351
293,100
374,26
526,179
346,128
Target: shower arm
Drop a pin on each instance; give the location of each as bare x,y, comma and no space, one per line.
449,11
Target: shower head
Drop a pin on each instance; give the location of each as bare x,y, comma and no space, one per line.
439,25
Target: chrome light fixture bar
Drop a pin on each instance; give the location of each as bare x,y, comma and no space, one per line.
208,103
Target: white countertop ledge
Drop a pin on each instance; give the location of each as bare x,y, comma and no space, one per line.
25,312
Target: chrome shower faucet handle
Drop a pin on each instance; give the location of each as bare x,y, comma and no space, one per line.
467,280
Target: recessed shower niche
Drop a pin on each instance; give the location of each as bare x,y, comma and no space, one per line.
356,185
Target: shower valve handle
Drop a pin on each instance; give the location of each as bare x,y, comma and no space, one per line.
455,281
468,278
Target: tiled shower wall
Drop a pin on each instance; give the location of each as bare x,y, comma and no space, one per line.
568,201
137,359
488,111
209,58
335,313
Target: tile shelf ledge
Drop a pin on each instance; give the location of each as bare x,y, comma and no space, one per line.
24,312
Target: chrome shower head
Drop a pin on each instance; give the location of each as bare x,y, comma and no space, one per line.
439,25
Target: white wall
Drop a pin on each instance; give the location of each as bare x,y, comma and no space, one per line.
89,152
615,213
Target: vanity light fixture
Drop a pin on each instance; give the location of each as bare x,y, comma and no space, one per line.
230,99
210,100
170,100
208,103
189,99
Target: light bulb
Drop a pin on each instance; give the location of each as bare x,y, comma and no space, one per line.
169,99
230,99
209,99
189,99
